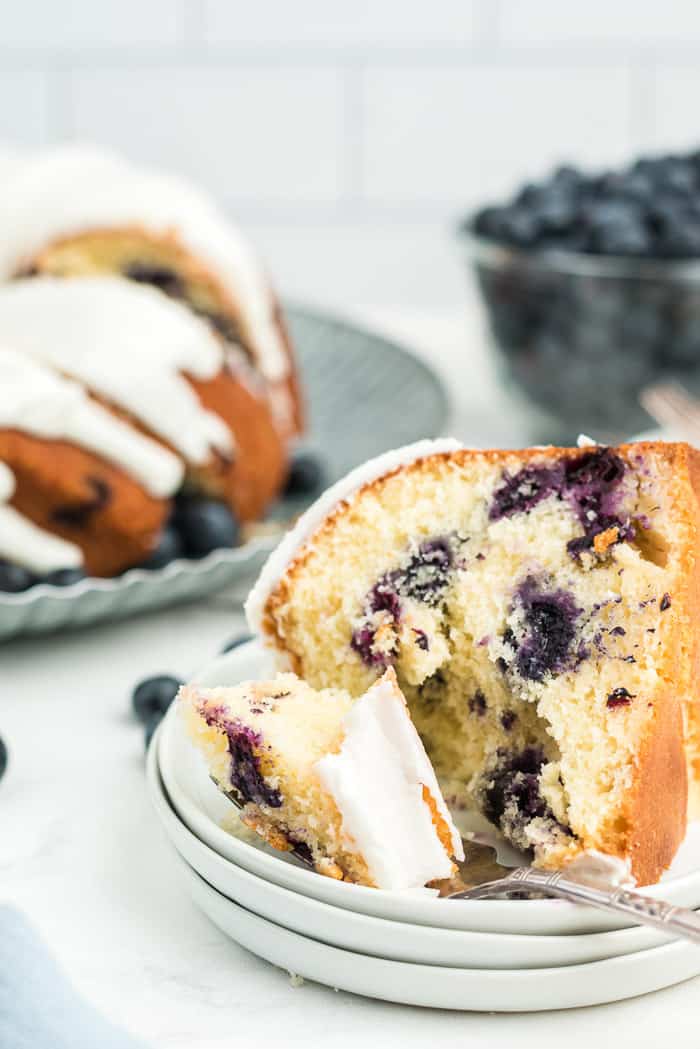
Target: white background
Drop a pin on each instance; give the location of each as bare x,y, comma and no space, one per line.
349,136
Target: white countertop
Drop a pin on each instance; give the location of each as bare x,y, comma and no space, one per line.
83,856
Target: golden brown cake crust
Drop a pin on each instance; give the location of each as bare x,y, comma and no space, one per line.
76,495
652,823
657,817
253,477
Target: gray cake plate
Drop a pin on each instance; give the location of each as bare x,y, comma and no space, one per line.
365,394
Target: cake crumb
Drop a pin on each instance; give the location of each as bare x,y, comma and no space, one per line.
295,979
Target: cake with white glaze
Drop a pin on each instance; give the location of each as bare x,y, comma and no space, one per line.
539,608
344,782
114,400
78,210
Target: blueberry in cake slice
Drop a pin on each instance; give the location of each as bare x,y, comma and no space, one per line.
344,782
539,609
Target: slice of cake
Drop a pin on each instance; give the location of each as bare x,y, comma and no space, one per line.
344,782
539,608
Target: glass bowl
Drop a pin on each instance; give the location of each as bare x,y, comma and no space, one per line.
581,335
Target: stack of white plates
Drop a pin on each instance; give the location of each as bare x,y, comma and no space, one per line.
504,955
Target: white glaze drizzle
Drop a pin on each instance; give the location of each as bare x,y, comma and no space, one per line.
73,188
376,780
40,402
310,521
127,343
24,543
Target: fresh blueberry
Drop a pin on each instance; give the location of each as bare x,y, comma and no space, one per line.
205,525
3,757
305,475
14,579
152,697
235,642
488,222
170,547
520,227
65,576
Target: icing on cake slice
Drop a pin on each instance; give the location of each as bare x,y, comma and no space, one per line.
345,782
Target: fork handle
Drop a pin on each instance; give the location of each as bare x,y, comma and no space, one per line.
645,910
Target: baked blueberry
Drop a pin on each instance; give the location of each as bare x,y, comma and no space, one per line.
205,525
549,618
152,696
305,475
170,547
14,578
161,277
426,575
619,697
246,777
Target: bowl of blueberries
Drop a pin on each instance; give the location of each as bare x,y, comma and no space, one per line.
591,284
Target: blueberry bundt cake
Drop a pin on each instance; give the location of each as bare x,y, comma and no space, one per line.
539,609
344,782
113,399
78,211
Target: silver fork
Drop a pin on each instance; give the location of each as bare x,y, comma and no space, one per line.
480,876
671,405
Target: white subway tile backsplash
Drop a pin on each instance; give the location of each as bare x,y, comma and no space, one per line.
345,264
627,22
456,136
674,121
24,113
53,25
388,23
351,135
263,132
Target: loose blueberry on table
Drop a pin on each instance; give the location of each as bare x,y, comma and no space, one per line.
152,697
3,757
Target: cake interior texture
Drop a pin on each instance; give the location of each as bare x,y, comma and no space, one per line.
343,782
538,608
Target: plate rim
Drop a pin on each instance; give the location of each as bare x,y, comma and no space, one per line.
439,936
565,981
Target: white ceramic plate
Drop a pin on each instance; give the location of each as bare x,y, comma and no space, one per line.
202,808
385,396
399,941
441,987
